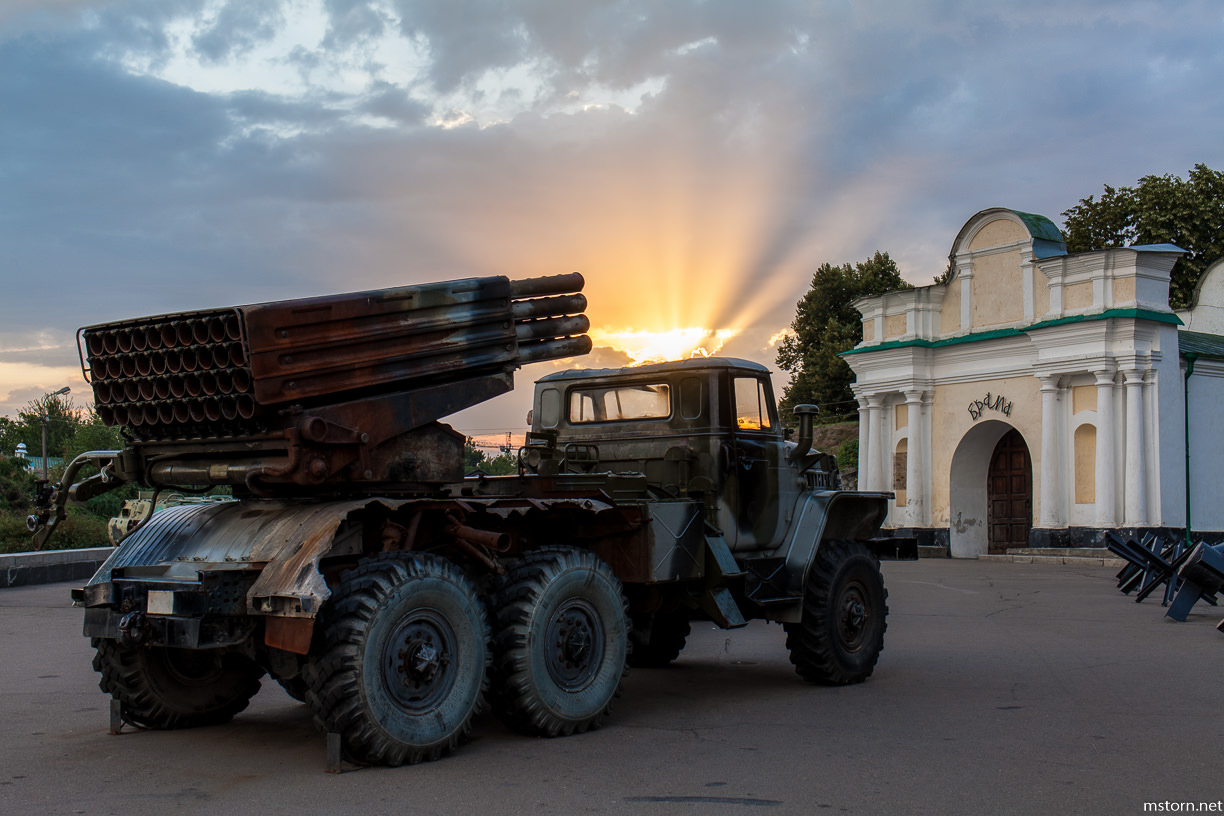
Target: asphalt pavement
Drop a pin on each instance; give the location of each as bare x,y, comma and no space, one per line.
1003,688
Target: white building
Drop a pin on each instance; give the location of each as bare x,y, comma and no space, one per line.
1039,398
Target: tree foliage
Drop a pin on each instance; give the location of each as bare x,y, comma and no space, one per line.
1157,210
63,421
16,486
825,325
70,431
475,459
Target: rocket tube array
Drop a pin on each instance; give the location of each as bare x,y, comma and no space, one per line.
192,375
170,371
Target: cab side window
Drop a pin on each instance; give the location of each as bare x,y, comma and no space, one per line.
751,405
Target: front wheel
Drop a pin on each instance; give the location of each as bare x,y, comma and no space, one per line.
560,640
841,634
404,664
164,688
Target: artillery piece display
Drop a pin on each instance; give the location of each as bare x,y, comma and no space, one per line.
362,570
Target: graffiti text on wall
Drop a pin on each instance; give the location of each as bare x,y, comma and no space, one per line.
990,402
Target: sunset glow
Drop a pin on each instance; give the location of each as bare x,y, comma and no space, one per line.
657,347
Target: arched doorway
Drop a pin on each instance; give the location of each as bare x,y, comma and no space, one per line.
968,489
1009,494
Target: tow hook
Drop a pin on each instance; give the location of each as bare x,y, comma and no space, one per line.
134,629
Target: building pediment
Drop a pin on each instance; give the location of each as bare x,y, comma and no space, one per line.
1011,272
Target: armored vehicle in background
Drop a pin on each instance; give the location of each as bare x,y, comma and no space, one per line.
360,568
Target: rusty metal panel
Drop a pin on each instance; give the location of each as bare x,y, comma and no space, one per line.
228,372
307,348
358,317
286,539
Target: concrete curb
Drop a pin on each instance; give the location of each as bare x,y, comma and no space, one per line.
1071,560
51,566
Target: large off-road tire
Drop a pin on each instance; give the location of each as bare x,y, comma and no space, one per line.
561,635
161,687
295,687
404,660
845,612
658,639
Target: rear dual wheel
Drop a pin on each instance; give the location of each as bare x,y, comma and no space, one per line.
561,636
404,663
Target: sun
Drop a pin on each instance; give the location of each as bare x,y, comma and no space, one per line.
661,346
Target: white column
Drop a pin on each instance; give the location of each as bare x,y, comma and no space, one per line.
1136,462
915,488
864,456
1106,470
875,410
1051,504
1151,447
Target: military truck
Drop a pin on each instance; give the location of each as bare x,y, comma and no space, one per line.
360,568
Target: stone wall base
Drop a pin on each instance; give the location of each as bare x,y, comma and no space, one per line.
933,541
51,566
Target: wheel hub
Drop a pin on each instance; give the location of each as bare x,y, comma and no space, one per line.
853,617
417,666
575,645
421,662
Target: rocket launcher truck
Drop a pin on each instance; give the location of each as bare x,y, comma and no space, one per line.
363,570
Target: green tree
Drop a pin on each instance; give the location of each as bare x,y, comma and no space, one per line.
63,420
825,325
501,465
1157,210
473,457
16,486
9,435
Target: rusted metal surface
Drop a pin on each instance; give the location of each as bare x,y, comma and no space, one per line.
228,372
287,540
290,634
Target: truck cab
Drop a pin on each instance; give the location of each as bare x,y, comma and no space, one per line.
705,428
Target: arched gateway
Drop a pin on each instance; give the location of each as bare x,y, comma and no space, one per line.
1038,397
990,491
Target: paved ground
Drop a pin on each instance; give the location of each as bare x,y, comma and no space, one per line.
1003,688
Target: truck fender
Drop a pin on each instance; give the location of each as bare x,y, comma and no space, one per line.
821,516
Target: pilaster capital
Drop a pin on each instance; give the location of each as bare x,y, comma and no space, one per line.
1049,382
1105,377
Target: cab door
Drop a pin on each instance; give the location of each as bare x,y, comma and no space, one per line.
753,465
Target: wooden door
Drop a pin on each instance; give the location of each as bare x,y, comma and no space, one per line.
1009,494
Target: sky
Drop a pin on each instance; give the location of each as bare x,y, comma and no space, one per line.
695,160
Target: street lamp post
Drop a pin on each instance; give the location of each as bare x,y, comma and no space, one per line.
46,401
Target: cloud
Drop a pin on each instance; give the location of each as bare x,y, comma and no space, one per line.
695,160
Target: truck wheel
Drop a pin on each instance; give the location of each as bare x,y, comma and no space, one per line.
841,634
658,639
560,641
295,687
160,687
404,663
